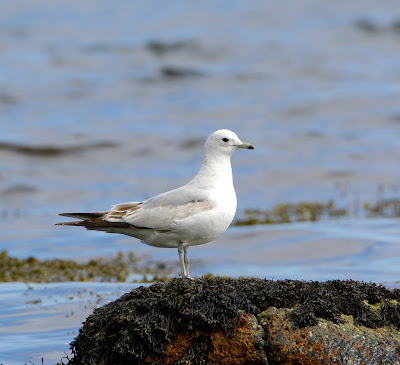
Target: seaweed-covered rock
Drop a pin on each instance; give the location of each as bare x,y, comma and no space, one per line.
204,321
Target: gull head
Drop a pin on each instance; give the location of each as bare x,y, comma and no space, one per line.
224,142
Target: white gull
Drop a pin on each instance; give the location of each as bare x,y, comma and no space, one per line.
194,214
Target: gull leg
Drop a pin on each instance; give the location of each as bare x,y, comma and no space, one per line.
186,260
183,268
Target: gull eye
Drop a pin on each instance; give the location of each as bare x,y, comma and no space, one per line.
225,139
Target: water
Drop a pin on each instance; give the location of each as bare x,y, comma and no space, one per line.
104,103
40,320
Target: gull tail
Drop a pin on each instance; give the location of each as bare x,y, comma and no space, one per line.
93,221
84,218
97,222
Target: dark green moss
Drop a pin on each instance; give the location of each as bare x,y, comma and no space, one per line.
114,268
140,322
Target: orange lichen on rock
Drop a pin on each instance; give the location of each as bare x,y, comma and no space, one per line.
244,346
177,348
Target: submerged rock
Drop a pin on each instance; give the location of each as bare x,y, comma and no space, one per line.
245,321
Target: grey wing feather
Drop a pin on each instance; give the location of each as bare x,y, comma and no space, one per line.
177,197
162,210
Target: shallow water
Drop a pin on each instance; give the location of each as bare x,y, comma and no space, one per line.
102,104
40,320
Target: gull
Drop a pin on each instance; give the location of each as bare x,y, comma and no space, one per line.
193,214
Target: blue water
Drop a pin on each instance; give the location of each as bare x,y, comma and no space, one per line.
314,86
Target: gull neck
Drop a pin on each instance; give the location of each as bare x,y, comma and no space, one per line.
214,172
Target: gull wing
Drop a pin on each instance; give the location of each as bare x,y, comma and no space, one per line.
161,211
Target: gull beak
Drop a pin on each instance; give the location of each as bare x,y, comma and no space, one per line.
246,146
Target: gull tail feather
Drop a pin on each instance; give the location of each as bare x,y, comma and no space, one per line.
74,223
84,216
93,221
97,222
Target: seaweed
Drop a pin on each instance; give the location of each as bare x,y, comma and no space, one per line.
52,151
288,213
160,48
383,208
391,313
315,211
114,268
196,353
175,72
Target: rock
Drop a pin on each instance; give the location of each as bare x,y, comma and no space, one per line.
245,321
327,342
